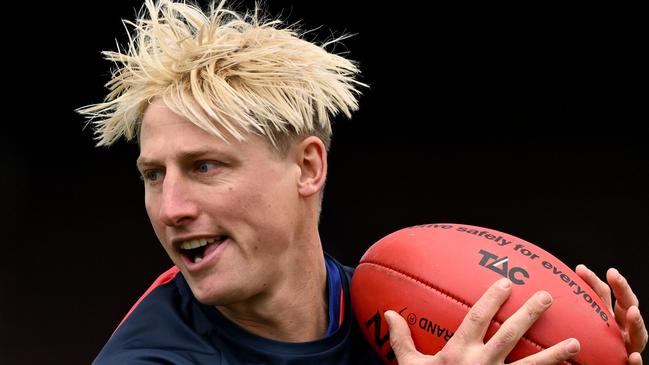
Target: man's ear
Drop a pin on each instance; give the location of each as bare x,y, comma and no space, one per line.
312,159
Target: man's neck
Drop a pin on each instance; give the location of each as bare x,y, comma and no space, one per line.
296,311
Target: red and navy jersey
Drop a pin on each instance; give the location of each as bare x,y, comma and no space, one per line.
169,326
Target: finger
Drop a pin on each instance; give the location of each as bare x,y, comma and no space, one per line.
600,287
476,322
624,296
400,338
556,354
504,340
636,329
635,359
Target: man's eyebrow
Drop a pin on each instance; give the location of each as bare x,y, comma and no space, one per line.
143,161
183,155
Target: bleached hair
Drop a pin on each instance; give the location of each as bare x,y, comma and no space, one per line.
224,71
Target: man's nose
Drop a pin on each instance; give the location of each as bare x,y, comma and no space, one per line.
178,205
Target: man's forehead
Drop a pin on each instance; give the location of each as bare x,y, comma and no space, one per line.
158,115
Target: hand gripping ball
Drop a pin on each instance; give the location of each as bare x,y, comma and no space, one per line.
432,274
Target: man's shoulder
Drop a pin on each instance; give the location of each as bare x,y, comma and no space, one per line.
348,270
162,327
169,326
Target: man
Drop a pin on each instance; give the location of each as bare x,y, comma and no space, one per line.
233,115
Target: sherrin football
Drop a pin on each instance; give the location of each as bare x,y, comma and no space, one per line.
432,274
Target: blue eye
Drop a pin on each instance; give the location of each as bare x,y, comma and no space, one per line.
206,166
151,175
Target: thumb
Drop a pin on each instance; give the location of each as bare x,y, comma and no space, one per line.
400,338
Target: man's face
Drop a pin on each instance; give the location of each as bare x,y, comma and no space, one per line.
227,214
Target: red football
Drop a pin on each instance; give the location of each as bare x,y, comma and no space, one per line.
432,274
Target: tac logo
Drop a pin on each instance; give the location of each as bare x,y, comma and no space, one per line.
501,266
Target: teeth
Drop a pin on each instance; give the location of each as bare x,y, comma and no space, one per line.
188,245
197,259
199,242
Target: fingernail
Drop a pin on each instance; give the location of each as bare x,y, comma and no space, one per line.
544,298
387,317
504,283
572,346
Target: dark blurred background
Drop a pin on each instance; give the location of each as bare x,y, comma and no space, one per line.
527,120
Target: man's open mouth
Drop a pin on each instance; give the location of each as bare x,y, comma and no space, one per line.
198,248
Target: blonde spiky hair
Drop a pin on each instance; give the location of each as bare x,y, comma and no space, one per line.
224,71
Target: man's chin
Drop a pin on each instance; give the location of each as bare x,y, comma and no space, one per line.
213,296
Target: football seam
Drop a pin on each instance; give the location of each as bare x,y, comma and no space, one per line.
449,296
